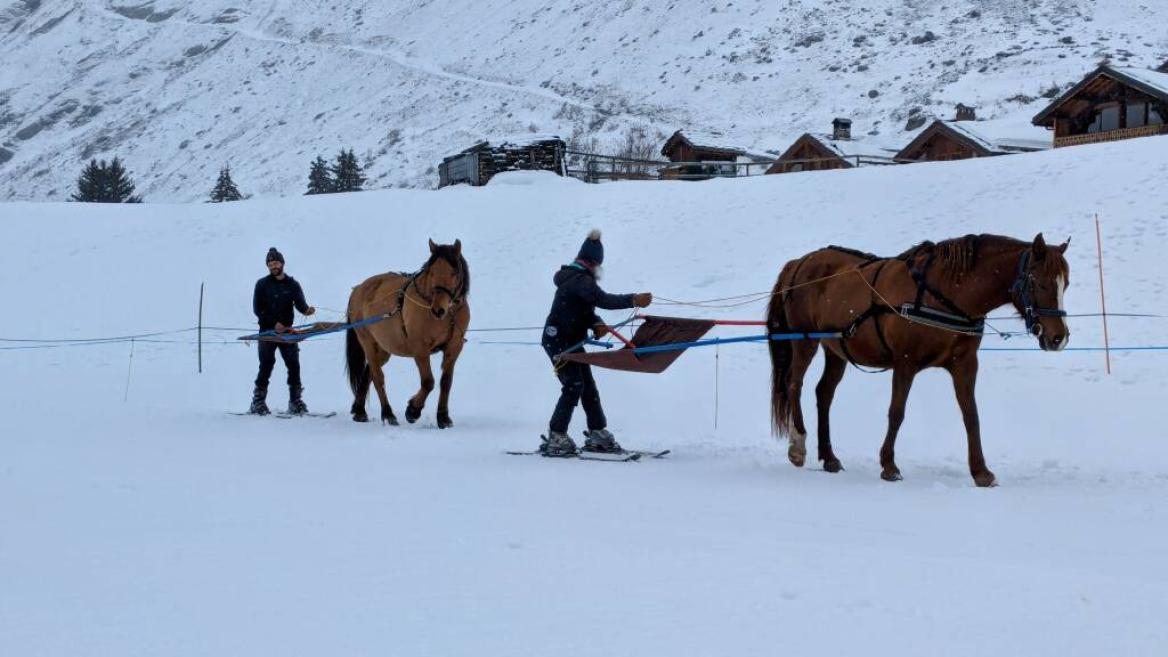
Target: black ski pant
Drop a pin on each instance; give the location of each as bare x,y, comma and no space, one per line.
576,386
291,355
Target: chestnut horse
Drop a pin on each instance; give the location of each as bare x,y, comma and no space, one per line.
423,313
925,308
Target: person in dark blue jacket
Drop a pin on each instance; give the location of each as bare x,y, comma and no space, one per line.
276,295
572,315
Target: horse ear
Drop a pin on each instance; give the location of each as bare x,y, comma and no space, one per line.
458,247
1039,246
433,246
1063,247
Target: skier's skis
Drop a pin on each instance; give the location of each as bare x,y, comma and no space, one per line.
285,416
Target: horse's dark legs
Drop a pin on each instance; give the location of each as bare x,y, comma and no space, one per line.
449,357
377,372
418,401
802,353
964,374
902,379
833,372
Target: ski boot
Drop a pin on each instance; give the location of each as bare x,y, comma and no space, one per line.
296,405
601,441
557,443
258,405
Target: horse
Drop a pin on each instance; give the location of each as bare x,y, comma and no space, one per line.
420,314
924,308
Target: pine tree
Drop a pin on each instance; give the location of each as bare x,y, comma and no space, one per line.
320,181
347,173
105,183
225,189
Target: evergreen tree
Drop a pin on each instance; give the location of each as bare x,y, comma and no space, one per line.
105,183
225,189
320,181
347,173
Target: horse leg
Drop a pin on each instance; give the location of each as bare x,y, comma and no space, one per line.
377,372
964,374
902,380
802,353
449,357
833,372
418,401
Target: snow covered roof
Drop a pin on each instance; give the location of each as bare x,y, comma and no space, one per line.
857,147
1153,83
996,137
1003,137
714,140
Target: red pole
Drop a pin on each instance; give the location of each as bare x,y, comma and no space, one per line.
1102,297
620,337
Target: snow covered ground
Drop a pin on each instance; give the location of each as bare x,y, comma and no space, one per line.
138,517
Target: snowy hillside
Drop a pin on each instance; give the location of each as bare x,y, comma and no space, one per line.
140,519
178,88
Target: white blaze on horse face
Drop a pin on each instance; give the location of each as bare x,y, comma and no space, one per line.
1061,286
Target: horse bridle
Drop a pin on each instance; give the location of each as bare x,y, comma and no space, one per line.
434,289
1023,293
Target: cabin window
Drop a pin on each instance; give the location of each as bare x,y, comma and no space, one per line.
1154,117
796,167
1109,118
1137,115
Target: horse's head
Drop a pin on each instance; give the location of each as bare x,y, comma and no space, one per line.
449,279
1042,278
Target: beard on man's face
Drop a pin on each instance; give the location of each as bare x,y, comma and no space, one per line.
275,268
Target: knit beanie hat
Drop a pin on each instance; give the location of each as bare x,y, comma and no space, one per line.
592,250
273,254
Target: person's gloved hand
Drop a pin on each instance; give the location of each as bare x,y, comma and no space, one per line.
310,311
642,299
280,328
599,331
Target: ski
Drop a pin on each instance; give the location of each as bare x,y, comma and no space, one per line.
626,455
286,416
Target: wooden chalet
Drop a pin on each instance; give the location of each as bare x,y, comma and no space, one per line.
479,163
968,138
701,155
1111,103
822,152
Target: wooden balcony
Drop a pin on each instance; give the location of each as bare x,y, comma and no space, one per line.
1111,135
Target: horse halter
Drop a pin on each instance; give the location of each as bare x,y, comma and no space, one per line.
1022,291
454,298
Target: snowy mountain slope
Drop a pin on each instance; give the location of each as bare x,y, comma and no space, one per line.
139,518
178,88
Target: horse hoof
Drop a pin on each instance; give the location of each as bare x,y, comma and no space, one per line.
388,418
796,456
985,479
360,417
444,422
412,414
833,465
891,475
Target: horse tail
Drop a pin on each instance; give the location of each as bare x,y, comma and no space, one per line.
781,352
356,366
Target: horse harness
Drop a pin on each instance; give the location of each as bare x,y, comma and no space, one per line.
403,295
952,318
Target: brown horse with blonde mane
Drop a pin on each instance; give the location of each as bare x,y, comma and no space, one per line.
925,308
422,314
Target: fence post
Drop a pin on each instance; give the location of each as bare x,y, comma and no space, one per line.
201,326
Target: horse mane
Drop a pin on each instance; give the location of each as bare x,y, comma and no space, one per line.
453,258
960,255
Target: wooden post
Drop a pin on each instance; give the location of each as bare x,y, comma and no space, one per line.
1102,296
201,327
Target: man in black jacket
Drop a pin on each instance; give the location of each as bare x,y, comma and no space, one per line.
275,296
572,314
